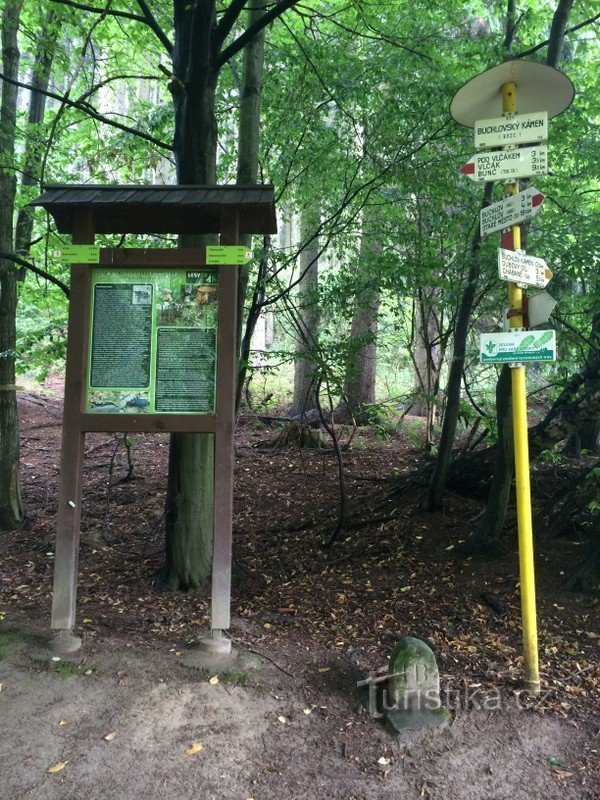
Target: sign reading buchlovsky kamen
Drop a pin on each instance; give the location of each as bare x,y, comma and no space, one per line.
512,129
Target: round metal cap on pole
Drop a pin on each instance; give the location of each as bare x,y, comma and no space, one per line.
539,88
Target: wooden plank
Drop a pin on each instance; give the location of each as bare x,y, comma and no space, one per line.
149,257
149,423
73,438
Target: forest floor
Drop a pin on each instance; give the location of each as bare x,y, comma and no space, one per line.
128,716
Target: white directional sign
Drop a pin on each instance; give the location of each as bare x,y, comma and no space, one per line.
515,129
504,165
517,347
539,308
511,211
518,267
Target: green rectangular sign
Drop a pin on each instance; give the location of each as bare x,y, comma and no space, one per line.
153,341
517,347
235,255
78,254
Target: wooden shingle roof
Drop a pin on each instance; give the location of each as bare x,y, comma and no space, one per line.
161,209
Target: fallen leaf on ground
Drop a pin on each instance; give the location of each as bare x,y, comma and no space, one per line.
214,680
282,719
563,773
193,749
57,767
383,761
110,736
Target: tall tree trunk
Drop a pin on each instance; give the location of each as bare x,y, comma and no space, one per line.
360,379
35,141
307,318
190,484
197,59
361,367
11,506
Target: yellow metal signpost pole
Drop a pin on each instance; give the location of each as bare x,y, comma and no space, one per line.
542,90
521,444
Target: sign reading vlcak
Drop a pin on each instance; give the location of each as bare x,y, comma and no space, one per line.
503,165
518,267
517,129
517,347
510,211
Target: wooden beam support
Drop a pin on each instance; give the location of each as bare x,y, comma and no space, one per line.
66,557
226,377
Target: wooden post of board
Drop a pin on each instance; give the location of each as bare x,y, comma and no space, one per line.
224,432
73,441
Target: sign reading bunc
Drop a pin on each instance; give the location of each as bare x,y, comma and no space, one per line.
516,129
517,347
507,164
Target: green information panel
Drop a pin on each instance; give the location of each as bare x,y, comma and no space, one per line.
153,341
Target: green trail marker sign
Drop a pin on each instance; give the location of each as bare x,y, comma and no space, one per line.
517,347
233,255
77,254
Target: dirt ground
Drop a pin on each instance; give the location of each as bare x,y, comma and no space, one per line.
132,716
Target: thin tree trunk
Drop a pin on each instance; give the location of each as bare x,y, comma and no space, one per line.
437,484
307,319
11,506
247,168
486,536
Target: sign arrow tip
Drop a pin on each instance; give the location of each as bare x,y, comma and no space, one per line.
537,199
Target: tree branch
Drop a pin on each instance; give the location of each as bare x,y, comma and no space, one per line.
32,268
228,20
539,46
85,108
151,22
277,10
146,18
